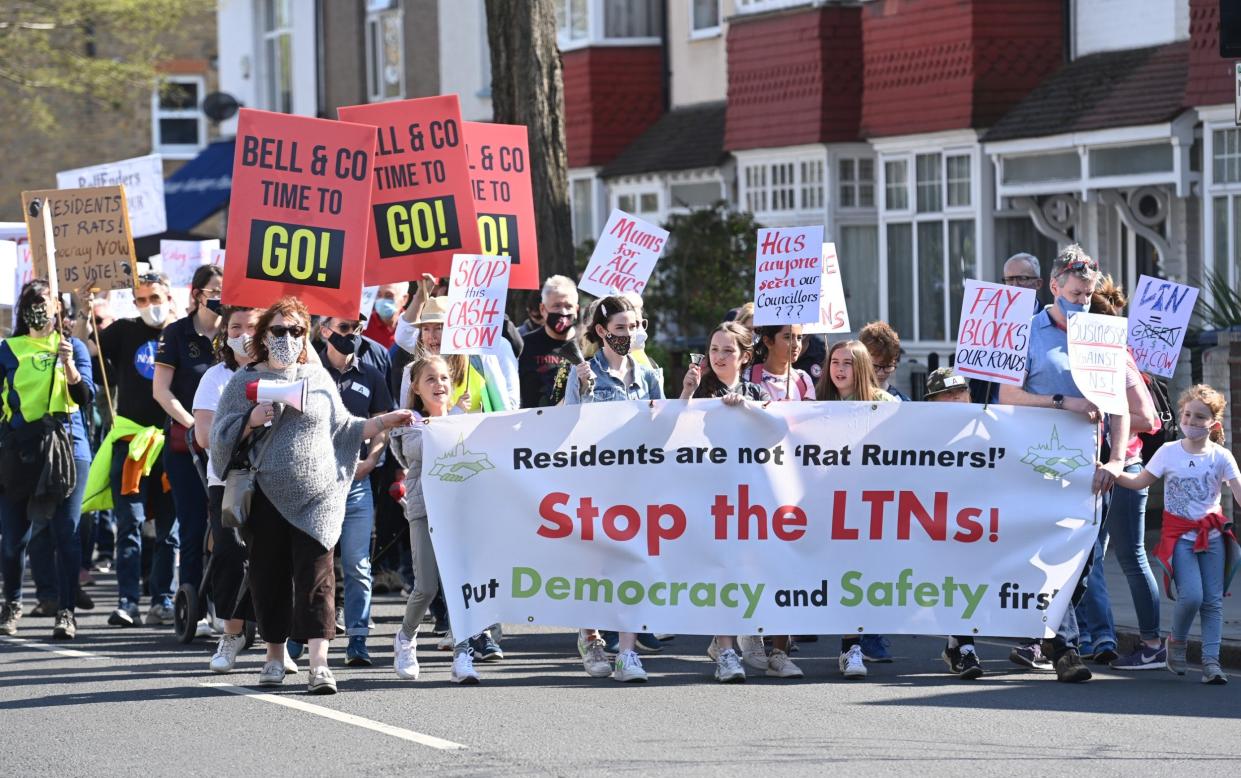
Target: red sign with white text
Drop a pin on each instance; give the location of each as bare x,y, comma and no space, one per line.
422,212
298,216
504,198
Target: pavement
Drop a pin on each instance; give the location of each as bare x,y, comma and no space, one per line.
1126,619
136,700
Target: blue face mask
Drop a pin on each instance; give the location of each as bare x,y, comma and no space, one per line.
1068,308
385,308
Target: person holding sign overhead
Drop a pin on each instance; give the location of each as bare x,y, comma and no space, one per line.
612,374
1049,384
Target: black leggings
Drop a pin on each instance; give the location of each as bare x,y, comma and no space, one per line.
228,564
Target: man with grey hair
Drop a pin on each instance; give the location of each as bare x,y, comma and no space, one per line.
1049,384
1022,269
548,348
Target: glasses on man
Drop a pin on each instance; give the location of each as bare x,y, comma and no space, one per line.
279,330
889,368
1022,280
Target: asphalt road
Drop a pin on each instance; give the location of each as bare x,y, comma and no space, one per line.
134,700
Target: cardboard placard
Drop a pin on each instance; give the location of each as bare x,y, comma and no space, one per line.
1159,316
1097,358
299,215
421,207
94,248
143,179
833,310
477,288
788,275
180,258
624,257
504,197
993,340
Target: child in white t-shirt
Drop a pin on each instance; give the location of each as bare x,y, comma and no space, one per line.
1197,547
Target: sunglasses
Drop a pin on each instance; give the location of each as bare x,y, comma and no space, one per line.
1079,265
151,278
279,330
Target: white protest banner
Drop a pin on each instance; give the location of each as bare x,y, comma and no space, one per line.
993,341
217,257
8,273
788,275
143,179
25,265
1159,316
1097,357
477,288
180,258
833,311
121,304
624,256
798,518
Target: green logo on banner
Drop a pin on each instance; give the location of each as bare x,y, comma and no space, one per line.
1053,460
460,465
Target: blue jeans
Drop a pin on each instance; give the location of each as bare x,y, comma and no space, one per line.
1199,589
355,556
41,554
63,530
190,498
130,511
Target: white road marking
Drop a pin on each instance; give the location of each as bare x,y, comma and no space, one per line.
344,718
69,652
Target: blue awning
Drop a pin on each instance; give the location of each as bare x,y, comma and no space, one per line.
200,187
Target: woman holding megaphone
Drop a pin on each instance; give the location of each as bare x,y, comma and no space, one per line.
303,459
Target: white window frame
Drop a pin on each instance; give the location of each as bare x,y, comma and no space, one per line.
179,150
374,16
763,6
947,145
856,184
697,34
595,205
265,36
1214,121
595,28
638,187
798,215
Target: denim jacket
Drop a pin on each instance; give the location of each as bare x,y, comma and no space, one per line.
645,386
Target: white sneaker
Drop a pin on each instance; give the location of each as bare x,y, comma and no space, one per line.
594,660
446,643
780,666
203,628
290,664
713,650
463,671
629,668
272,673
226,652
753,652
405,656
852,664
728,667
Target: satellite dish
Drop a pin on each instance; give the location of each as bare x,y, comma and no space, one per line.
219,106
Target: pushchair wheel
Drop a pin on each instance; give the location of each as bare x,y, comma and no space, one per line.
186,614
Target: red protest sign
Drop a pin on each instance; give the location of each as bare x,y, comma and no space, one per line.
421,209
504,198
299,214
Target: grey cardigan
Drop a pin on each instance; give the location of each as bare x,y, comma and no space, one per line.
310,459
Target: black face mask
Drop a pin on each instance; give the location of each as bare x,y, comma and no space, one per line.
618,343
345,344
559,322
215,306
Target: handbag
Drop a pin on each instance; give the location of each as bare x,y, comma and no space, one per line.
180,438
239,477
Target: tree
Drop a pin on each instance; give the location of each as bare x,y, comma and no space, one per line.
527,88
54,54
707,269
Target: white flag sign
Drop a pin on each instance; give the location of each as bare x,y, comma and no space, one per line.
477,288
624,256
1159,315
1097,358
788,275
833,311
993,341
143,179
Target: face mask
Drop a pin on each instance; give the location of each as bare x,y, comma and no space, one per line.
385,308
282,352
36,317
559,322
240,345
1195,433
153,315
1068,308
215,306
345,344
639,340
618,343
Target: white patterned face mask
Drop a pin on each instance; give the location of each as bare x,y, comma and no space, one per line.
241,345
282,352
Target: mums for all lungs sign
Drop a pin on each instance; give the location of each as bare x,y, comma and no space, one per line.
797,518
624,257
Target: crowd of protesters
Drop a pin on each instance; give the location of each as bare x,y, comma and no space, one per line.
132,479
